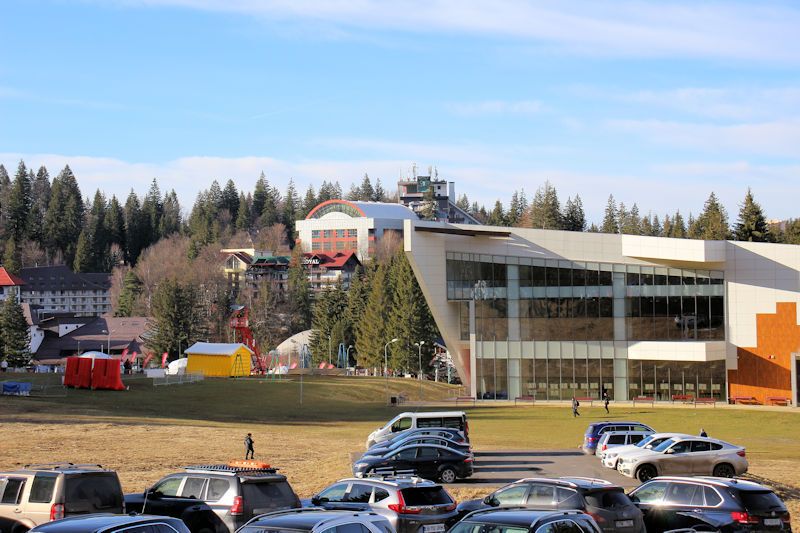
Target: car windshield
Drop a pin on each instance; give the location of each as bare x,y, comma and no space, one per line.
664,445
426,496
471,527
755,501
644,442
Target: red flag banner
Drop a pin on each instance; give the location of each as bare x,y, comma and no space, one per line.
164,360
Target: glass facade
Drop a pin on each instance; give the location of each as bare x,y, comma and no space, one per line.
579,318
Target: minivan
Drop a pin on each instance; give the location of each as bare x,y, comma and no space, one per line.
405,421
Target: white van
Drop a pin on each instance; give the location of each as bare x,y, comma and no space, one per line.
404,421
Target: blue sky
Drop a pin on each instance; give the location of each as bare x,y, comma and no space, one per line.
658,103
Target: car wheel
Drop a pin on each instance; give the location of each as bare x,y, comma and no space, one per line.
645,473
447,475
724,470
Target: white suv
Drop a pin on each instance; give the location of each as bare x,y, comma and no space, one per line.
611,457
615,439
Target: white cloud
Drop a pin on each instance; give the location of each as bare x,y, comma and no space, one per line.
495,107
773,138
728,30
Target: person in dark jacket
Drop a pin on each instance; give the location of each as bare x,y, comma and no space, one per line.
249,453
605,401
703,433
575,405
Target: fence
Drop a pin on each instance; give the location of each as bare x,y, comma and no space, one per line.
178,379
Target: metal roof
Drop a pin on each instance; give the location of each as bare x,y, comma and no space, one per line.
215,348
363,209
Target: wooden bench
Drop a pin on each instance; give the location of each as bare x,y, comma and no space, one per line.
778,400
685,398
527,398
750,400
586,399
644,399
705,401
465,399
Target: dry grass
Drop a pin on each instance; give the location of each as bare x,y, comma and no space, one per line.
144,434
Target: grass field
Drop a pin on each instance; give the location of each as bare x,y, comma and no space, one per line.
146,432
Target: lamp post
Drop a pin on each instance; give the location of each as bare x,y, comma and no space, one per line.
386,365
348,354
419,375
329,347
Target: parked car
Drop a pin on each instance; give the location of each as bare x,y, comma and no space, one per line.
610,457
235,493
615,439
709,503
448,433
410,504
317,521
110,523
606,502
405,421
198,516
685,456
463,447
596,430
428,461
37,494
525,521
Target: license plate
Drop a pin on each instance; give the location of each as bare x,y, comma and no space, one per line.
772,521
624,523
433,528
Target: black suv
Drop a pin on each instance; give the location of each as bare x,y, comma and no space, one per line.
606,503
723,504
235,494
113,523
529,520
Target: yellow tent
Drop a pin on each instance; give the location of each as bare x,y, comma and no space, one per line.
215,359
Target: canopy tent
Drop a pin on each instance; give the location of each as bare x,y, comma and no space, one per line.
215,359
95,355
177,367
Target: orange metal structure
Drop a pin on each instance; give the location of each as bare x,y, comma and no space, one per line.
240,323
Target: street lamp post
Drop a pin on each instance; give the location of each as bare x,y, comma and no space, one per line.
348,354
386,366
329,347
419,375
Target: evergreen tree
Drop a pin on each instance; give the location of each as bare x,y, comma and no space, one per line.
131,289
751,224
230,200
791,234
378,194
92,254
610,224
497,217
65,216
40,199
11,256
298,294
712,223
289,215
243,213
545,210
357,295
83,259
657,228
429,208
574,217
152,211
135,231
115,226
309,202
678,227
19,204
647,225
15,333
329,324
371,331
171,216
5,192
178,318
366,191
514,213
630,222
666,228
215,196
463,203
260,194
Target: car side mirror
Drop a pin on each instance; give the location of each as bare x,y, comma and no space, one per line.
315,500
153,494
491,500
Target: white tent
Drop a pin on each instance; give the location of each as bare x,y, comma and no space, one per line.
95,355
177,367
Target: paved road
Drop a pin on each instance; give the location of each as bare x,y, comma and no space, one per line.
495,468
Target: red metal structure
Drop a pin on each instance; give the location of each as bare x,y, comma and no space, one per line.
240,323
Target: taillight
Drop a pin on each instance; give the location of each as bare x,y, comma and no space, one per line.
744,518
604,448
787,518
741,453
466,428
57,511
468,459
237,509
597,518
451,507
590,439
400,506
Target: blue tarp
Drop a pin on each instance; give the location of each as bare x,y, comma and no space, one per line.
16,388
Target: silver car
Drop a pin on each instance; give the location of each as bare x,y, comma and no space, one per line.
685,456
411,504
610,457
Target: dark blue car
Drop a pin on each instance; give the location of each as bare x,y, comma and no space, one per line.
596,430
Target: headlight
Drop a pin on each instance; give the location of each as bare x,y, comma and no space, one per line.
359,466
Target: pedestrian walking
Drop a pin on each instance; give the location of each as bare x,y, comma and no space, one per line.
703,433
4,365
605,401
249,453
575,405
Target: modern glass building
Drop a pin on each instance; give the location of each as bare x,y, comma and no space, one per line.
554,314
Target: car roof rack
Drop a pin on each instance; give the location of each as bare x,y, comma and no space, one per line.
63,466
396,476
298,510
592,480
231,470
544,512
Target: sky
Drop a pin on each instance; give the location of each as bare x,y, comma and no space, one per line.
658,103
